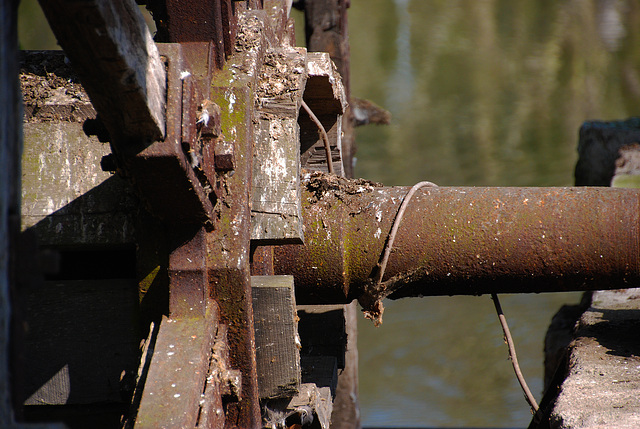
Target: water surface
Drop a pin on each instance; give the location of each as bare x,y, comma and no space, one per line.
483,93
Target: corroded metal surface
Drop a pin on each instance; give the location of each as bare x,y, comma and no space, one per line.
192,21
467,241
168,177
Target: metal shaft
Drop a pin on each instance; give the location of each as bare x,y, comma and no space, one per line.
464,241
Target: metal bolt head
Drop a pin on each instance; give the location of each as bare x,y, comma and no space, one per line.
209,119
224,156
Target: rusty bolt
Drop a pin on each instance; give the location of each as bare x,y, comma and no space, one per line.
209,119
224,156
231,384
108,163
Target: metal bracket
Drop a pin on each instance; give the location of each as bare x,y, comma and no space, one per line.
172,175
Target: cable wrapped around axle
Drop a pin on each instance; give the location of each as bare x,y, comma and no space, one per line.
460,241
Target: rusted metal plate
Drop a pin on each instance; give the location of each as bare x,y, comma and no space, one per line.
169,185
228,15
181,367
190,375
167,178
188,283
229,270
180,21
233,89
463,241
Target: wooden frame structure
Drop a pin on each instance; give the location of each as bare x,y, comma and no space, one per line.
190,120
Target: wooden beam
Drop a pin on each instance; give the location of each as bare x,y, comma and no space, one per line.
276,328
327,30
79,363
177,375
276,202
113,52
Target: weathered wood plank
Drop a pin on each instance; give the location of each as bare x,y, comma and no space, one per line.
66,197
51,89
346,412
276,208
316,399
10,149
325,91
327,30
276,215
113,52
277,354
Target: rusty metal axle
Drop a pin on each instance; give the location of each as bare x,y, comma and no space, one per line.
461,241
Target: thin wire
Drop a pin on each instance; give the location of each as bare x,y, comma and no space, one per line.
501,317
512,354
323,134
396,224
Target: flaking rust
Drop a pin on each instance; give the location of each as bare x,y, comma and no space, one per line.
320,185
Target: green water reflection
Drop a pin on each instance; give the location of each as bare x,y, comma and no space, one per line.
486,93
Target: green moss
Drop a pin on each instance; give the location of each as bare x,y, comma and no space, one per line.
626,181
145,284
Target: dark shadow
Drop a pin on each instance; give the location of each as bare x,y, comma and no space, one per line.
617,332
79,324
